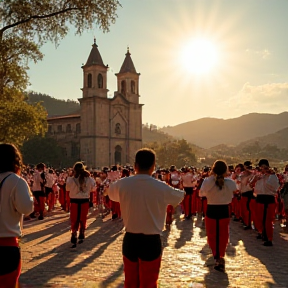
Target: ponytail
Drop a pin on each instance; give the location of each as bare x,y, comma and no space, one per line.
81,174
219,169
219,181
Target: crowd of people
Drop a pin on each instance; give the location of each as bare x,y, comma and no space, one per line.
146,202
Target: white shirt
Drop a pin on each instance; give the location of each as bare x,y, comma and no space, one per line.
73,186
143,202
50,180
188,180
15,200
214,195
267,185
37,180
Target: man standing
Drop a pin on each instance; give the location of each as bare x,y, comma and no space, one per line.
265,188
143,201
38,191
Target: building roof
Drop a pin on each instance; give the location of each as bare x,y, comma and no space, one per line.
94,56
63,117
128,65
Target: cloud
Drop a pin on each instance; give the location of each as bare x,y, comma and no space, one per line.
264,54
272,96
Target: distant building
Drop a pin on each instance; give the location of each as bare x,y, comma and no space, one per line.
105,131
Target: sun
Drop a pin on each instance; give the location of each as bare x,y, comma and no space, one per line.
199,56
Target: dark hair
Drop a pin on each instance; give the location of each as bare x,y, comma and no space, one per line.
10,158
263,162
145,158
40,166
81,172
125,173
241,166
219,169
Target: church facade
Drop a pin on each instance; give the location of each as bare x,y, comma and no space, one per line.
106,131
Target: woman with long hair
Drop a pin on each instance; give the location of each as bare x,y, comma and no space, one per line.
15,200
219,192
79,187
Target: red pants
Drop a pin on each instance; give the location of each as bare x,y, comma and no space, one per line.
9,271
169,213
78,216
115,207
236,207
253,211
141,274
217,231
265,219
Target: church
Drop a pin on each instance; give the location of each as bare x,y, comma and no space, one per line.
105,131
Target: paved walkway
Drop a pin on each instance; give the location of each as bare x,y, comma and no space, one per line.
48,260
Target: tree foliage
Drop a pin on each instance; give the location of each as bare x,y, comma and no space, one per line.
177,152
42,149
20,121
24,27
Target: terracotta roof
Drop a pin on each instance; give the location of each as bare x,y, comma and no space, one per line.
63,117
94,57
128,65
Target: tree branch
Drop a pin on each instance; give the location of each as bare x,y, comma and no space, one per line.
38,17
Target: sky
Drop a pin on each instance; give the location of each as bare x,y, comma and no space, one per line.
197,58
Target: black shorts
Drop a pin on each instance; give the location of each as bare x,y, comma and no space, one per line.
48,190
9,259
141,246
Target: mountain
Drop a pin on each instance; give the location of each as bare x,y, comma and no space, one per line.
209,132
279,139
54,107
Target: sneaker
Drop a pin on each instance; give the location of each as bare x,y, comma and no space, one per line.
268,243
32,215
40,217
220,265
259,236
247,227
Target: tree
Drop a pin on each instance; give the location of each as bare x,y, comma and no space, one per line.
25,26
42,149
19,121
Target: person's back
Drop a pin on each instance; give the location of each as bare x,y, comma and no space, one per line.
143,202
15,200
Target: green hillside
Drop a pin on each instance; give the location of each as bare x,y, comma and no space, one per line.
54,107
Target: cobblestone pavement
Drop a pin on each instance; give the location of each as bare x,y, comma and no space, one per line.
48,260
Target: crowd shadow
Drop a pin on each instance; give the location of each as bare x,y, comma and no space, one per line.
186,230
274,258
58,265
111,279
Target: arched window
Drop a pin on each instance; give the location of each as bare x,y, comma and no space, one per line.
123,87
117,155
118,129
78,128
68,128
100,81
133,87
89,80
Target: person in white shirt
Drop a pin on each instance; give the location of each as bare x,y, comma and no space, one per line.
39,191
219,192
188,182
246,194
79,187
266,187
50,180
143,201
16,200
